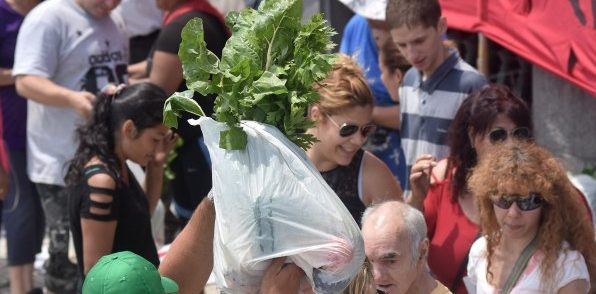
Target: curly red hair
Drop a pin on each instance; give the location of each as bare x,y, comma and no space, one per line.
521,168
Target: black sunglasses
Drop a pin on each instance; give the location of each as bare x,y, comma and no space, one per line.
530,202
346,130
500,135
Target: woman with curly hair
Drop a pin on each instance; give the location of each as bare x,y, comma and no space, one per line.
537,237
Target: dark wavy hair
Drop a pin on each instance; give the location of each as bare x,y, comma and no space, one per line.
142,103
477,113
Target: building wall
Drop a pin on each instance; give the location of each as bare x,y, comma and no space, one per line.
564,120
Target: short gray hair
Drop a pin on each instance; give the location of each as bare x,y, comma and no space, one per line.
412,220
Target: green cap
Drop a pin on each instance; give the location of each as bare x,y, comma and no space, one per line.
126,272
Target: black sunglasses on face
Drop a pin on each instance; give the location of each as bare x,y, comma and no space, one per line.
346,130
499,134
530,202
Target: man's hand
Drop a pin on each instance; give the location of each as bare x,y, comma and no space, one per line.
281,278
82,102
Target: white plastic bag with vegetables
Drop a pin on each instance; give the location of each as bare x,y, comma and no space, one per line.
272,202
269,199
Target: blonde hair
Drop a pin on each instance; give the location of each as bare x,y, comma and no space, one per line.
344,87
521,168
363,281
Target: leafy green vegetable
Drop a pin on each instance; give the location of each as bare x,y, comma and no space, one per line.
266,73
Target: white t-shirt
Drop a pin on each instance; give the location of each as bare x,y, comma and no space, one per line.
570,266
141,17
61,42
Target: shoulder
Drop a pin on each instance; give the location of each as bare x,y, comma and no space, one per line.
184,18
47,12
469,78
568,257
98,175
478,249
571,266
372,164
378,181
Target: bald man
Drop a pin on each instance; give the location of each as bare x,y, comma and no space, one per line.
396,245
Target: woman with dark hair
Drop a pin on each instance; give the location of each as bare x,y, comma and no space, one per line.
488,117
109,210
536,235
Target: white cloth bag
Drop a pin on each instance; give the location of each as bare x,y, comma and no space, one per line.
270,202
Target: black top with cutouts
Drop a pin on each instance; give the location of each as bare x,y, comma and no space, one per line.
127,204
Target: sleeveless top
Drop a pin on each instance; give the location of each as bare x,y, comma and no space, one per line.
450,232
129,207
346,182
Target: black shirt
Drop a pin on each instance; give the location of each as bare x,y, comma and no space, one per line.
129,207
192,171
344,182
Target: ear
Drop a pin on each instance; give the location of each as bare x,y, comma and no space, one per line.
315,113
442,25
129,129
423,252
398,75
471,136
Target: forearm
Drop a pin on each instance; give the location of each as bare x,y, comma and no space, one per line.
387,116
153,184
44,91
6,78
138,70
416,200
190,259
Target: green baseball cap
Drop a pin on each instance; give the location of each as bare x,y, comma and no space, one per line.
126,272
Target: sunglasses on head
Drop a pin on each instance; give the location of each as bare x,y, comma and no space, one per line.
530,202
346,129
500,135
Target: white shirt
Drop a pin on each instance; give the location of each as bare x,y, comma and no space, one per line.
570,266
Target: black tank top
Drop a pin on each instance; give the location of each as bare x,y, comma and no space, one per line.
129,206
344,181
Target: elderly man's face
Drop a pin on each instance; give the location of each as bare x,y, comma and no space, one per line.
394,268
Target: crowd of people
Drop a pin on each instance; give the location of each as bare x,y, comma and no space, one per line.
438,167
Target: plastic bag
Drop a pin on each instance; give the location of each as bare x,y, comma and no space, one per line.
272,202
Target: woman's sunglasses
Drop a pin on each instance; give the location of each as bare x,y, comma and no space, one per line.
346,130
530,202
500,135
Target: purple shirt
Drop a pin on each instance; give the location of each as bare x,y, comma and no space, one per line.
13,107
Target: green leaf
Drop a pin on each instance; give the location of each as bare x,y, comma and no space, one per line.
178,102
233,139
266,72
198,63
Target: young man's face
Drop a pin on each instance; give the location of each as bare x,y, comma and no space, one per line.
422,46
98,8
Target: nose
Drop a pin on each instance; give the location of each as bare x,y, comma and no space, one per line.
514,210
377,274
411,52
358,138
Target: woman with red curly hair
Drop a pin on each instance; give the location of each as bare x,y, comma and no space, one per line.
537,237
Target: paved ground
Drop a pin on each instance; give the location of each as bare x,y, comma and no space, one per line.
4,283
38,272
